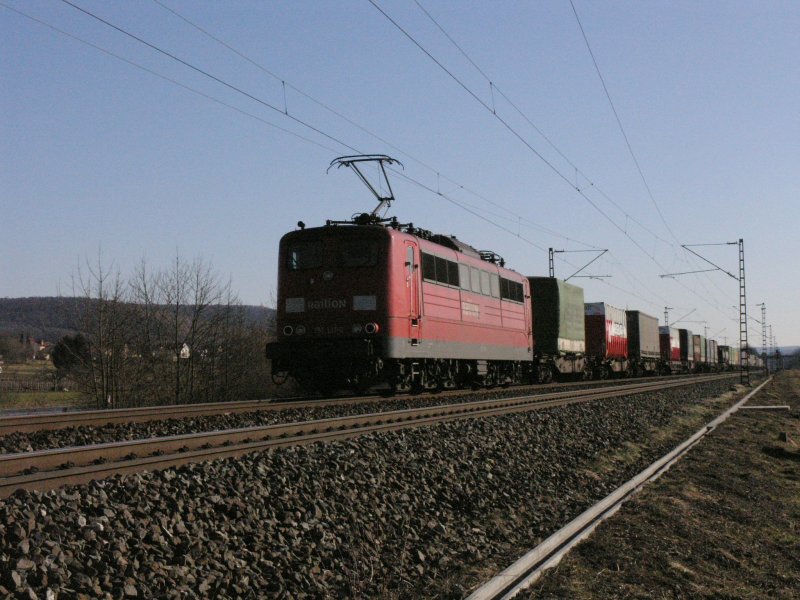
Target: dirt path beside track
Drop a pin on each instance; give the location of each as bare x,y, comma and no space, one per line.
723,523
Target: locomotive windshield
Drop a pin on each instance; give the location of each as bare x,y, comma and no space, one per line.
305,255
344,253
357,253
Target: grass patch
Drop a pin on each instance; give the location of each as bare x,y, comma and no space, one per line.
39,400
36,369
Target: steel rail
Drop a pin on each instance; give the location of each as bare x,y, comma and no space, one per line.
52,468
27,423
549,553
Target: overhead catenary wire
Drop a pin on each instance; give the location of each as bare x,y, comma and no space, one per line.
167,79
651,256
282,111
627,140
293,118
494,88
286,84
619,123
515,133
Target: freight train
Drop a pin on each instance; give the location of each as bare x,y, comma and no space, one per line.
371,302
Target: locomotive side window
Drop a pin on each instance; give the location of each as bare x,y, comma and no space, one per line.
511,290
495,285
440,270
452,273
475,278
357,253
486,288
463,274
306,255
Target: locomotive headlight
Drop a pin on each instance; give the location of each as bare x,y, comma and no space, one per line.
300,330
288,330
356,328
372,328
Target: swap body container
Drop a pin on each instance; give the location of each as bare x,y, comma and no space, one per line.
734,356
558,326
606,331
699,349
711,352
643,337
724,355
670,344
687,345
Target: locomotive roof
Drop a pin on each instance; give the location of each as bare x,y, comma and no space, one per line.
392,227
348,228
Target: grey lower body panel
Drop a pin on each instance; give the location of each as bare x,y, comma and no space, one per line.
402,348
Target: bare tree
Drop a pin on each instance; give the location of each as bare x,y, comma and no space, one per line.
169,336
103,321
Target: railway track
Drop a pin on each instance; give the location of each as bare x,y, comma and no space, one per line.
49,469
27,423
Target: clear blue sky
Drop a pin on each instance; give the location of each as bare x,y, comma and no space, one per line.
96,153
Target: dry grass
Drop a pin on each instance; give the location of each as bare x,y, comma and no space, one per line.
723,523
39,400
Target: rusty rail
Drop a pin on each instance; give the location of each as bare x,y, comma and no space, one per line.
48,469
59,420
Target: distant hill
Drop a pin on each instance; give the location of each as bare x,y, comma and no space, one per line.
51,318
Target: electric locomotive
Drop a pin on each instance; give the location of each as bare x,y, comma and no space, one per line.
370,302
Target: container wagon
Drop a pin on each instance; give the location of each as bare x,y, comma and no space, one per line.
669,339
606,339
711,355
644,350
687,350
724,356
559,336
700,364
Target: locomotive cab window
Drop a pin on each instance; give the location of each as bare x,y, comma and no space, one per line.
357,253
428,267
305,255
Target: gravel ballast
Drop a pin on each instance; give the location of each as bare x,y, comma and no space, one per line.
425,512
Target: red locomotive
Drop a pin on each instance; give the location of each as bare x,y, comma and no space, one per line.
373,301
